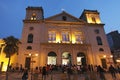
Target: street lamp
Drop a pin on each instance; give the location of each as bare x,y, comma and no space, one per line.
104,56
32,56
109,58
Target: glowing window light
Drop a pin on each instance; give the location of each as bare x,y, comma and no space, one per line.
4,68
52,36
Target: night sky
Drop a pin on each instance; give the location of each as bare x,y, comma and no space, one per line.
12,12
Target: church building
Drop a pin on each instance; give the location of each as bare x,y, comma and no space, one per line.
63,39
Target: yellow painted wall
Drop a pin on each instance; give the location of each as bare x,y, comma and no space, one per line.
4,59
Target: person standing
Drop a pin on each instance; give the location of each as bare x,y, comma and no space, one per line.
69,72
112,71
25,75
36,73
101,71
44,72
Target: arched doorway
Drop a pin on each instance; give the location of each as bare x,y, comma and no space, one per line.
52,58
66,58
81,58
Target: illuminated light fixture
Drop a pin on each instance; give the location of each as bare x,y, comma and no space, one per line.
73,42
81,42
36,54
104,56
34,14
30,54
117,60
31,18
111,56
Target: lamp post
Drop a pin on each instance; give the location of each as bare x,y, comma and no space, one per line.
32,56
109,58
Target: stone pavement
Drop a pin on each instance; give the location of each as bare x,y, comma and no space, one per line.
59,76
56,76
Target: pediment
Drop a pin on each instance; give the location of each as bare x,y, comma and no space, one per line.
64,16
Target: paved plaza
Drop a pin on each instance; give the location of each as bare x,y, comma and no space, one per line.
59,76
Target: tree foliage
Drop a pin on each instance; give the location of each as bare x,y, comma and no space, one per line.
11,46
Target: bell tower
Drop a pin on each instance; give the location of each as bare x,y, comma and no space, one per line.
34,13
91,16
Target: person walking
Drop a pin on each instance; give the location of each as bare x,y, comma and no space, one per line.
44,72
36,73
85,71
101,71
25,75
112,71
69,72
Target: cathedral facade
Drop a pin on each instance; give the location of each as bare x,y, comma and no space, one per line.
63,39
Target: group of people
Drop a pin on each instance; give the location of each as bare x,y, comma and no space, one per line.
70,70
111,69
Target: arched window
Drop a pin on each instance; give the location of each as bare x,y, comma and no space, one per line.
81,58
66,58
30,38
52,58
99,41
52,54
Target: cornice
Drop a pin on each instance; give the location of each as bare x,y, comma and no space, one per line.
63,22
33,21
67,44
95,24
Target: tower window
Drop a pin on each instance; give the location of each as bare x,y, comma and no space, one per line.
93,20
33,17
99,41
97,31
64,18
29,47
30,38
101,49
31,28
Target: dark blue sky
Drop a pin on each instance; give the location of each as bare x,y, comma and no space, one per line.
12,12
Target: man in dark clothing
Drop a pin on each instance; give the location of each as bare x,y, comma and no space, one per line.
69,72
44,72
25,75
112,71
101,71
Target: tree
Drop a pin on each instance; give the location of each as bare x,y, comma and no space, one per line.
11,47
